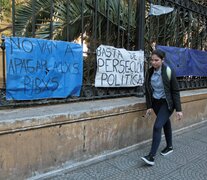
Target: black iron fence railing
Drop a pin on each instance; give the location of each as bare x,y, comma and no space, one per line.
192,82
116,23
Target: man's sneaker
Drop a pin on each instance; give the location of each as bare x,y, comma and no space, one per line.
148,159
166,151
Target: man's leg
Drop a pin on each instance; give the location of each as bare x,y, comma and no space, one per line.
162,117
168,133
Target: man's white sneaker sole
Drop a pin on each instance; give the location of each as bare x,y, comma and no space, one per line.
165,154
148,162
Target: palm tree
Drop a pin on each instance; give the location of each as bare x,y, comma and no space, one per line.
66,19
177,29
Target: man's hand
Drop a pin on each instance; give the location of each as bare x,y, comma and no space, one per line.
179,115
148,113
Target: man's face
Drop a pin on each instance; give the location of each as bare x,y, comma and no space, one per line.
156,61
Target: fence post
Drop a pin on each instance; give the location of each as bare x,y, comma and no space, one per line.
140,24
3,59
139,39
13,17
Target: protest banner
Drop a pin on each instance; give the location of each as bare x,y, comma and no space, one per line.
185,61
117,67
38,68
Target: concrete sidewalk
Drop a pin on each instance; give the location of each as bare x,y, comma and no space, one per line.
187,162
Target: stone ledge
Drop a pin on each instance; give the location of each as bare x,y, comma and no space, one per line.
193,95
14,120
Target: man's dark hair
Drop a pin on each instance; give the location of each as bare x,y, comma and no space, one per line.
159,53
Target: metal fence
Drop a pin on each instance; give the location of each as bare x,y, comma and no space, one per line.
185,27
120,23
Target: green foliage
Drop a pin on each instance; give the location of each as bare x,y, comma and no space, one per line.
182,27
4,9
5,5
66,19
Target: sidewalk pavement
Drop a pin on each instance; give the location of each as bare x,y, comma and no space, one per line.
187,162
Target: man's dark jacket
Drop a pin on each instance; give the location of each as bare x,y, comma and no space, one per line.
171,88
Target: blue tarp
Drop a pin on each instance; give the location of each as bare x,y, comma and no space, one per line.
186,62
38,68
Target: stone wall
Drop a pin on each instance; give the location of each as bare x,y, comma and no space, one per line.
39,139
